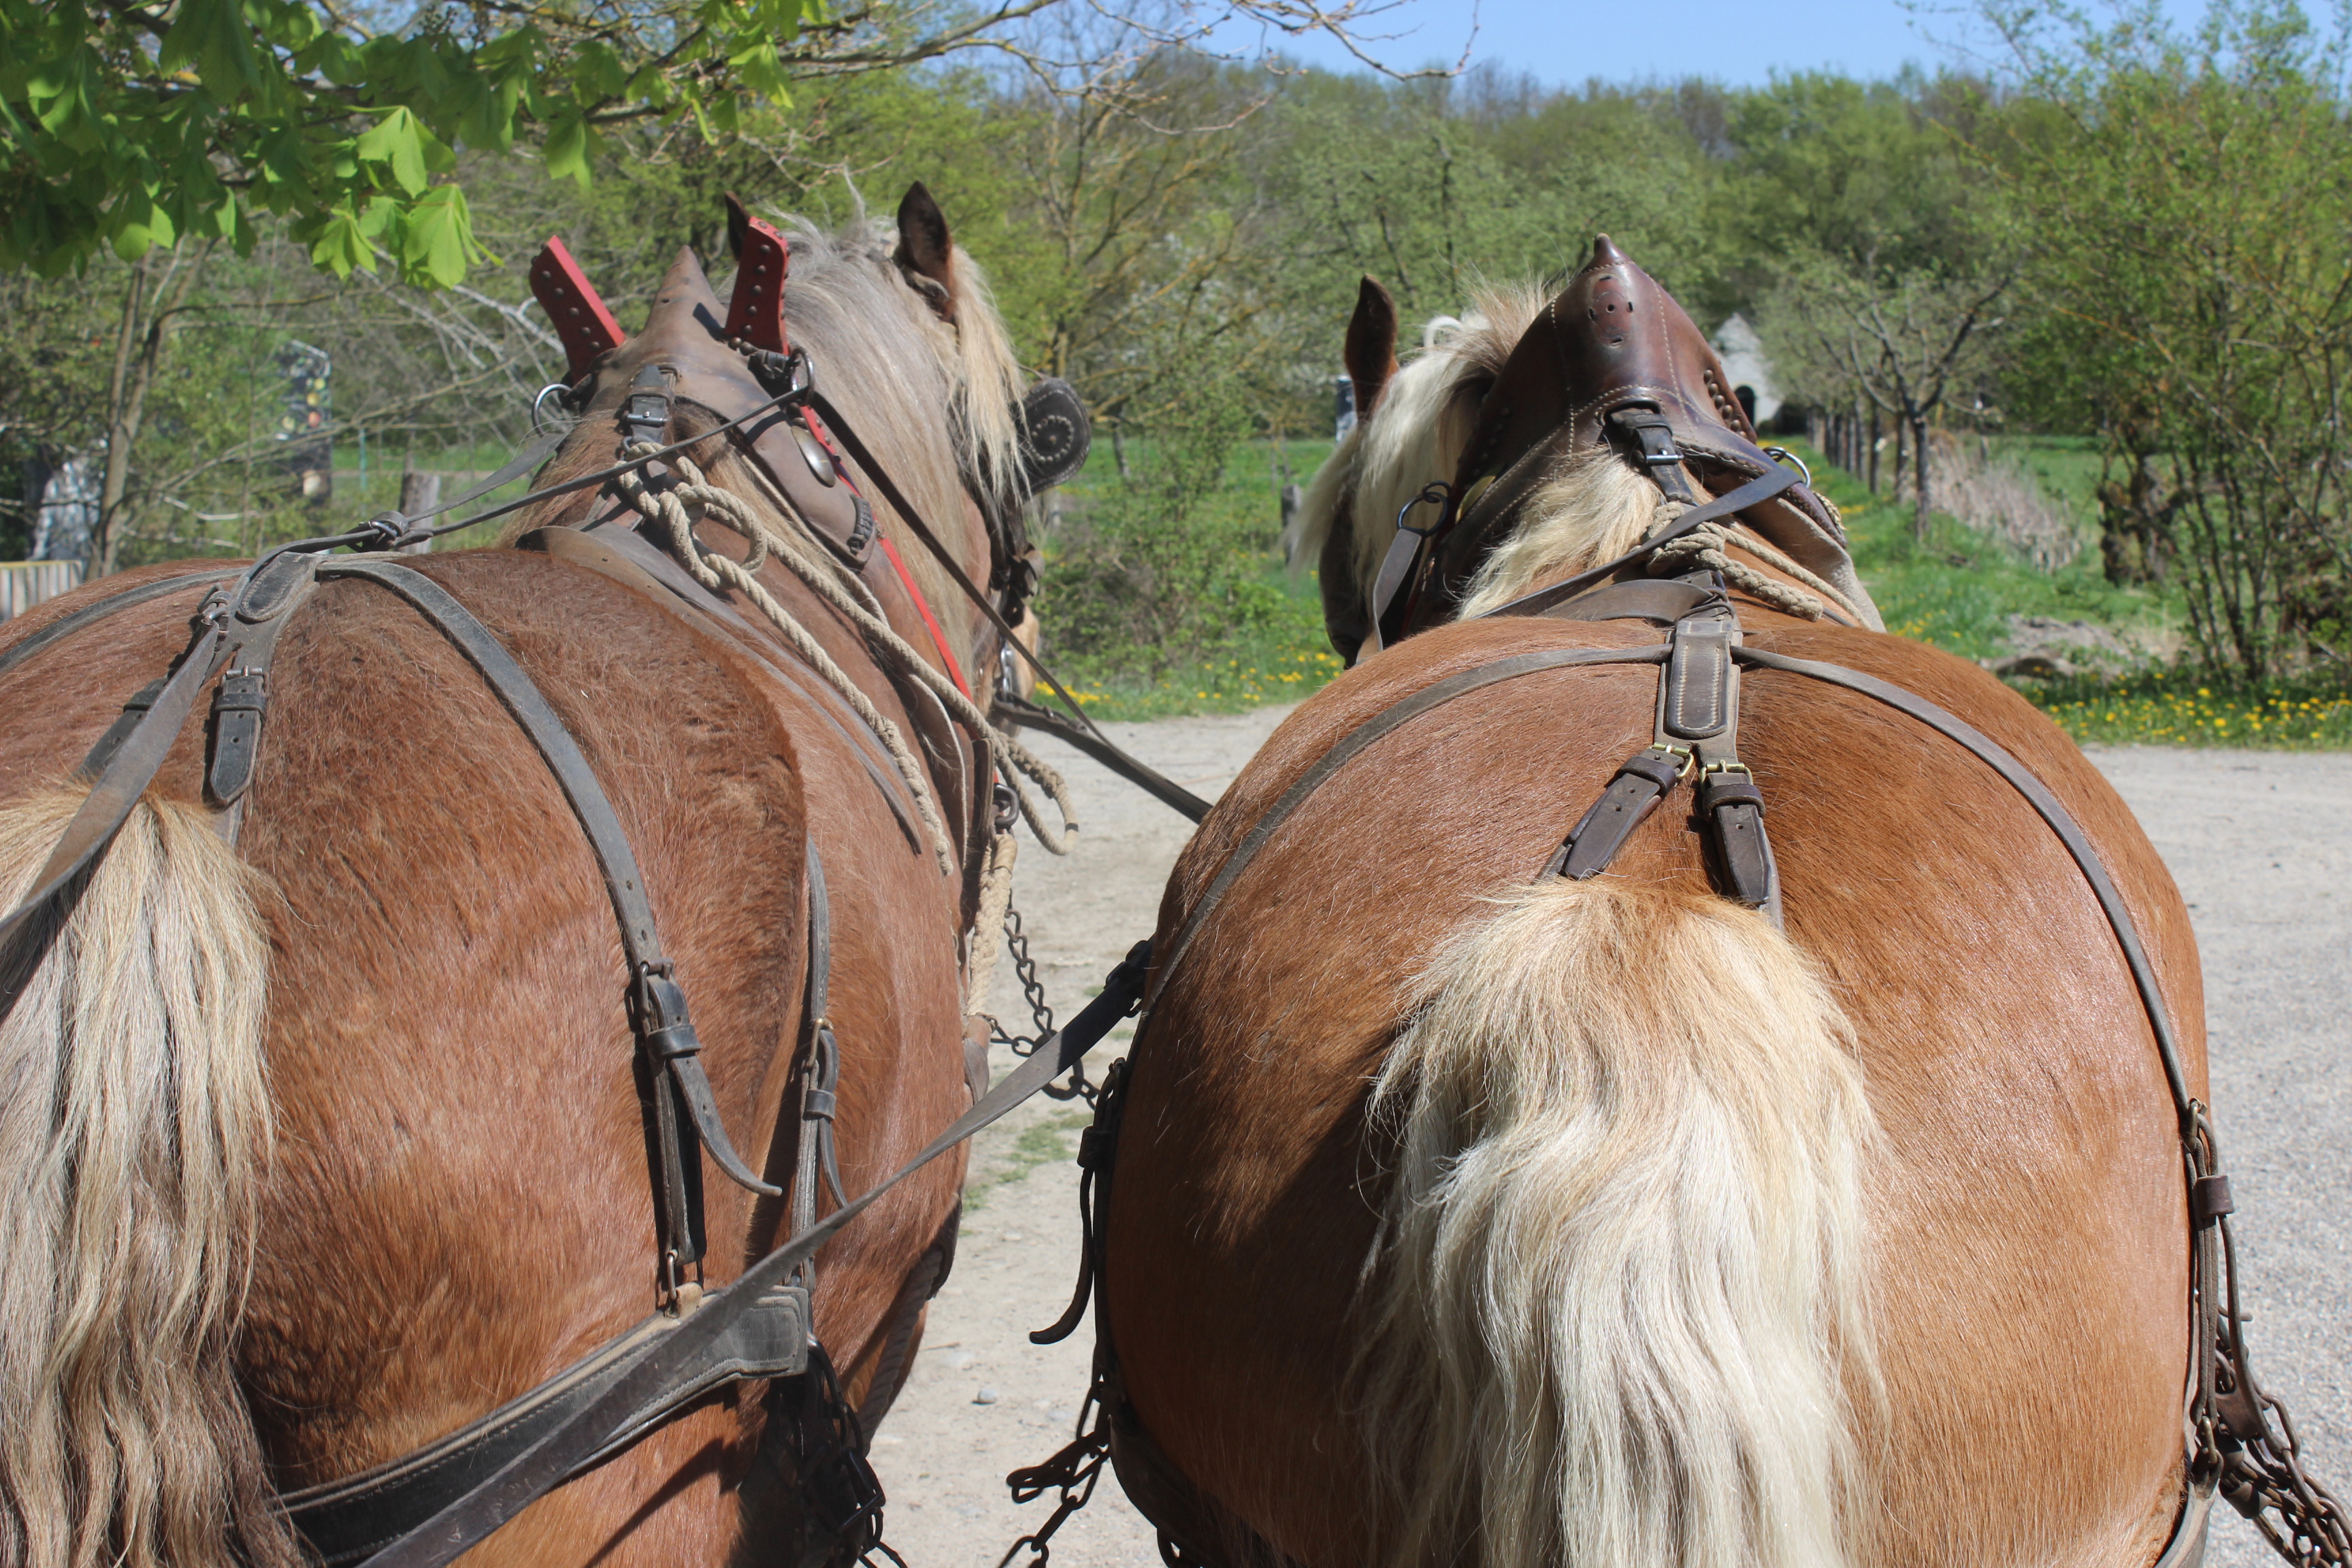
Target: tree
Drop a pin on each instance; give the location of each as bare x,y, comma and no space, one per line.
2191,200
1903,343
135,126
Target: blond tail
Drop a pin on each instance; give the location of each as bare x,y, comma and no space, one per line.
135,1122
1620,1291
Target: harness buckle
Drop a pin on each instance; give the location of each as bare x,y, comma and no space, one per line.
1682,757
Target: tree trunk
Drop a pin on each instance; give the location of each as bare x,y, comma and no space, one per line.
1118,449
419,493
1870,457
1894,485
126,394
121,425
1919,476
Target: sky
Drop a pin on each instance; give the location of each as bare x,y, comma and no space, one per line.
1564,43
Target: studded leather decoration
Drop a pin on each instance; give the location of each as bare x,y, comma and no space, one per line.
573,308
756,313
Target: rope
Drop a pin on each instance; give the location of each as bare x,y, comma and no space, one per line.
995,898
1704,546
678,507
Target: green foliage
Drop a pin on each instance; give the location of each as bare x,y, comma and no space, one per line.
2190,198
1160,566
2191,708
129,128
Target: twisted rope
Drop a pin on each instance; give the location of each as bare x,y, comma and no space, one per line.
1704,546
678,507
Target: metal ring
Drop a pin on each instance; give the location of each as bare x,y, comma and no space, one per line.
1783,455
562,391
1436,493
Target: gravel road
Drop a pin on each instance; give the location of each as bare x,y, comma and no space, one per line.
2262,846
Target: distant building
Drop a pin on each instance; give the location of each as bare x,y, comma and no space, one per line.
1751,373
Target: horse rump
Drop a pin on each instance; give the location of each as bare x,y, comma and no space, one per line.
134,1123
1619,1298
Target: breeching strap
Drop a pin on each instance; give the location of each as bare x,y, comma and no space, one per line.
542,1467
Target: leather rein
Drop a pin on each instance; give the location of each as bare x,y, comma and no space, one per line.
2234,1447
428,1506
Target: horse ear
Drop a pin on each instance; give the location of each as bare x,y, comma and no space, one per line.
1371,353
925,250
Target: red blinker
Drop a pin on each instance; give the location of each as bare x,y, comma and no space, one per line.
573,307
756,313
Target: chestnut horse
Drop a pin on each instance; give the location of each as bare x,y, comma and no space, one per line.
322,1132
1465,1211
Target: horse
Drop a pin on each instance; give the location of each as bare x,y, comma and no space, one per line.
328,1130
1713,1206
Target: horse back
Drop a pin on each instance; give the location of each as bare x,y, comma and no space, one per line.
459,1204
2024,1206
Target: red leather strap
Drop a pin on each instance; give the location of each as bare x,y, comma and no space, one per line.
573,308
755,314
939,638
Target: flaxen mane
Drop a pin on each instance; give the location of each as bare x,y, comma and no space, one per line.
882,352
1596,508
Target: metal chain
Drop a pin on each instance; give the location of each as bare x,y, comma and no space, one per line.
1073,1472
1041,1015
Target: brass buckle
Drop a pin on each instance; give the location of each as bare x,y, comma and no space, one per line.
1685,758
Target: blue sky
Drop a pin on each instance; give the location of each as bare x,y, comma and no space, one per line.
1564,43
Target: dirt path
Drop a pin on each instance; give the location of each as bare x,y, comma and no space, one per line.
2262,846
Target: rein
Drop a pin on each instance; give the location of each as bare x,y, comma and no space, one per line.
420,1508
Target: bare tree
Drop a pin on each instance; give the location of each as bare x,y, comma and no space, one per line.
1903,343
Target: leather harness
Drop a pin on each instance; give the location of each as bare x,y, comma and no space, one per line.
1630,352
2232,1445
429,1506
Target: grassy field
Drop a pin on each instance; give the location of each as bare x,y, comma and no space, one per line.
1957,591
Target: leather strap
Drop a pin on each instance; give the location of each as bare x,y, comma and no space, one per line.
1661,601
889,489
1396,715
666,1034
543,1466
241,697
1754,492
347,1519
822,1070
66,626
1640,782
1029,716
128,757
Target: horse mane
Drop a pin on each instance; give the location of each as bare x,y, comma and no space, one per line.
884,356
846,300
1596,508
1417,431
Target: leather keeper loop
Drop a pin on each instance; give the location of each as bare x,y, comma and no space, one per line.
1720,787
1662,768
668,1045
2209,1200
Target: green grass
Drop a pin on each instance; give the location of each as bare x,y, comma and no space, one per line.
1044,1143
2181,708
1276,651
1958,590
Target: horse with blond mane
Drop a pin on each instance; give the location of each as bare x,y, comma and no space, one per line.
1509,1173
332,1096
